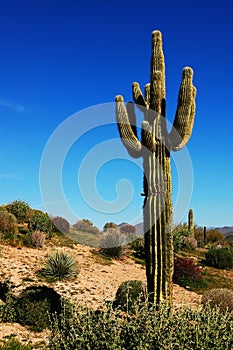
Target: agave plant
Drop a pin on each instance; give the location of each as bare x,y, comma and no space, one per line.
60,266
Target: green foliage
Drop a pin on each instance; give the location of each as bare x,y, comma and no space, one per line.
138,248
186,272
113,243
60,224
35,304
41,221
183,239
20,209
59,266
110,225
214,236
220,258
86,226
221,298
14,344
150,328
130,295
8,223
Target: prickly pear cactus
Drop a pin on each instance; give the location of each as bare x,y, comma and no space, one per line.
155,147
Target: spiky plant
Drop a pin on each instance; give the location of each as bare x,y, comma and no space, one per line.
59,266
155,147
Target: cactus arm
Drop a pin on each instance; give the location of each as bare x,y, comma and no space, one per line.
132,117
131,142
138,97
157,65
185,113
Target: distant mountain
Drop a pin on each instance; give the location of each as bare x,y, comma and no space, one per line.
226,230
139,228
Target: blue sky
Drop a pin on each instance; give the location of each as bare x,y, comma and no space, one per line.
60,57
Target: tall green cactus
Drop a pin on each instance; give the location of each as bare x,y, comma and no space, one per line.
191,221
155,147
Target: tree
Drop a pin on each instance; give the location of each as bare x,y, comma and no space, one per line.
20,209
60,224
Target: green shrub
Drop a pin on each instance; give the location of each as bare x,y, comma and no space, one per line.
86,226
41,221
151,328
138,248
20,209
13,344
186,272
8,223
110,225
183,239
220,258
113,243
130,295
59,266
221,298
35,304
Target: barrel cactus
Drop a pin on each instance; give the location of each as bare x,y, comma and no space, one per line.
155,147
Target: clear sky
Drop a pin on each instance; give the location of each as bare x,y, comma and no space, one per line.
59,57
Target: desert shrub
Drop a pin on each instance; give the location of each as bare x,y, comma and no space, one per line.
138,248
20,209
14,344
183,239
8,223
214,236
59,266
150,328
113,243
220,258
86,226
41,221
130,295
186,271
221,298
60,224
128,229
110,225
35,304
5,289
38,239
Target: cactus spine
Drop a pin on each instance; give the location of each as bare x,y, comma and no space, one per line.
155,147
191,221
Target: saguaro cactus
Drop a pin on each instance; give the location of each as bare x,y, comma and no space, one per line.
155,147
191,221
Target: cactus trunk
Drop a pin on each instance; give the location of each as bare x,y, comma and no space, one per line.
155,147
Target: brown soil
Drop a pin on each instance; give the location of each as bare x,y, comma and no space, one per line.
96,282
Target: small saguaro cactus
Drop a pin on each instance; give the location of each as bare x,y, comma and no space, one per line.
155,147
191,221
205,235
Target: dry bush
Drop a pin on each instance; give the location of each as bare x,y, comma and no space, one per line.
221,298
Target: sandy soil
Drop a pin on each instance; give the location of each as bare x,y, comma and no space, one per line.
95,283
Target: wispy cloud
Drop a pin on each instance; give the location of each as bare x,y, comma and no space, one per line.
41,205
9,176
11,104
